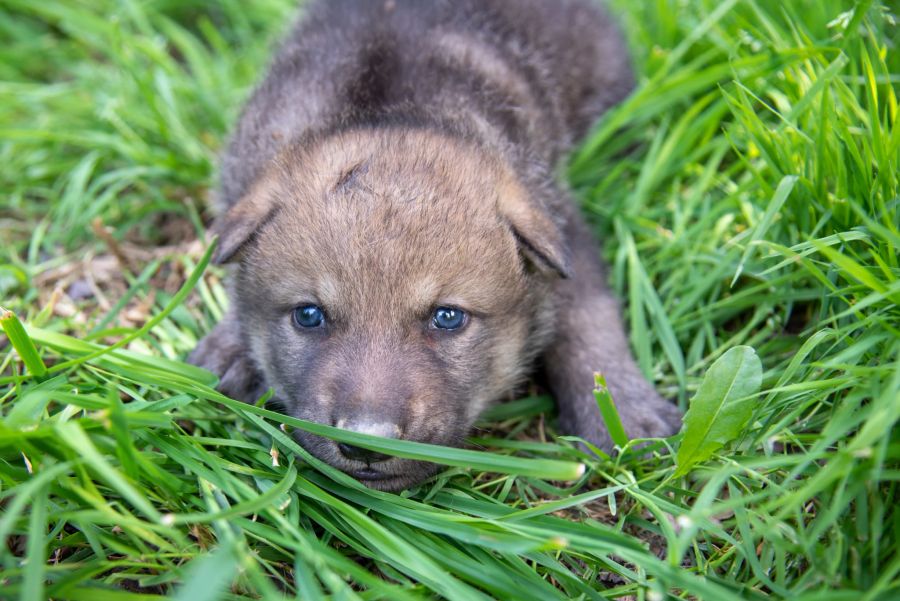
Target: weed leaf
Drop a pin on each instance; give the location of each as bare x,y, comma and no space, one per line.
721,408
208,576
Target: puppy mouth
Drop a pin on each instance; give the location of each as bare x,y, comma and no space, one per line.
378,480
390,475
370,474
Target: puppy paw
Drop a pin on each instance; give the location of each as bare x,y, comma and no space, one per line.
649,416
644,414
223,353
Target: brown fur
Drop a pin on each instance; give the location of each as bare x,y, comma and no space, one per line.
389,199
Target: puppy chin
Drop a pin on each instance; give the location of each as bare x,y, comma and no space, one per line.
401,474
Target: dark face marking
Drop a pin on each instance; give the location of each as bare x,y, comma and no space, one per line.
350,177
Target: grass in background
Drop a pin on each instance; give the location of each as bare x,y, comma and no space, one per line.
747,193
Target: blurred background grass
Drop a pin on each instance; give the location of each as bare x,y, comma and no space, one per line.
747,194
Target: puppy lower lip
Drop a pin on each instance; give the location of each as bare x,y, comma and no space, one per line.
368,473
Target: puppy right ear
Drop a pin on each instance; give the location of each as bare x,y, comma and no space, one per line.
239,224
540,239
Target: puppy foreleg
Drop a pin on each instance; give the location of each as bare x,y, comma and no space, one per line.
224,353
591,338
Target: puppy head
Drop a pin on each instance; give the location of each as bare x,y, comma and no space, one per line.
392,282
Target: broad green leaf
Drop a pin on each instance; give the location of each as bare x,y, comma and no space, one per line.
721,408
208,576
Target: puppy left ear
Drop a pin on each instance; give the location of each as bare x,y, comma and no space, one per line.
540,239
240,223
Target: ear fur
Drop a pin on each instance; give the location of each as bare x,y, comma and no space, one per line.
540,239
239,223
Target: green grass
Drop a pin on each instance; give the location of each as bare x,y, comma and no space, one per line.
747,194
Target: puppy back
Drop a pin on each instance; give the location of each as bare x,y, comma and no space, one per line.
528,76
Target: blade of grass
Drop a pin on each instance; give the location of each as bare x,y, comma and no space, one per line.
608,411
23,344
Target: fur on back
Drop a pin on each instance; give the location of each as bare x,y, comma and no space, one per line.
526,76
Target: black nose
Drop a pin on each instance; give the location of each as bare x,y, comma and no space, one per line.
361,454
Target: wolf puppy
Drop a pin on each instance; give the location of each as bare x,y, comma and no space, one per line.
404,252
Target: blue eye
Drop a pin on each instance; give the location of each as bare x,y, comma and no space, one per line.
309,316
448,318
